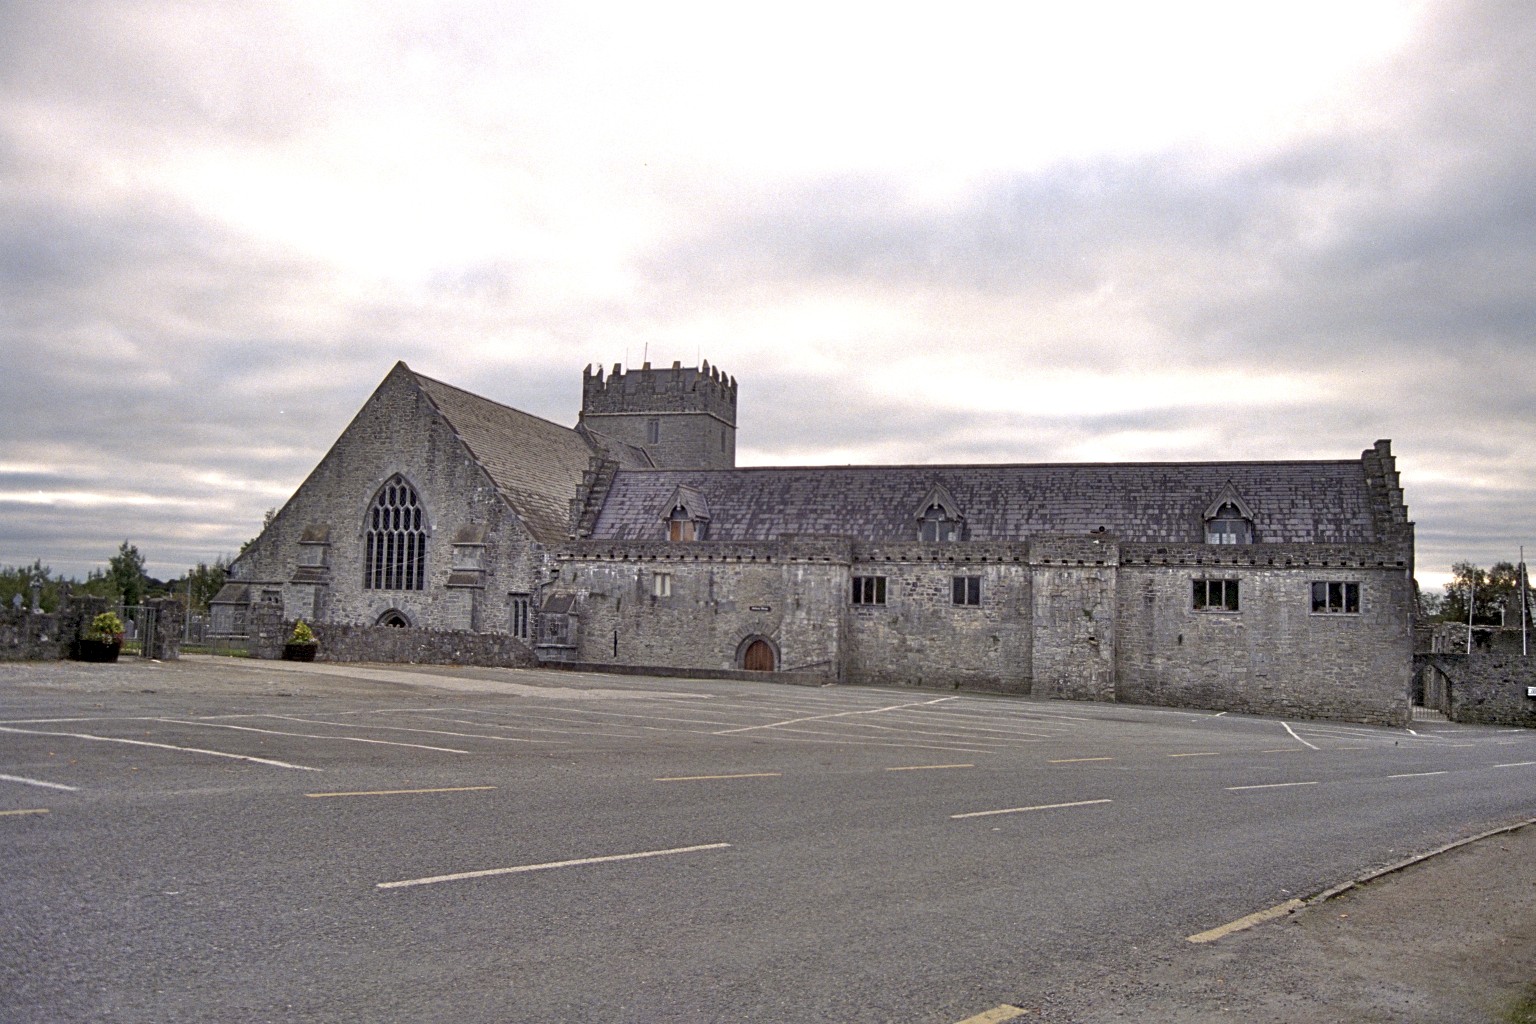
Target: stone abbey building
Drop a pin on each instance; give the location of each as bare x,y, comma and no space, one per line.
633,541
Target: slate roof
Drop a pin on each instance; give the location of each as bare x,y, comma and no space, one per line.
1292,502
536,465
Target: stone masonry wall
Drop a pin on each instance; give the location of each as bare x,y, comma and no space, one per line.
722,596
397,431
1073,616
391,644
1274,656
920,637
1487,686
29,636
693,410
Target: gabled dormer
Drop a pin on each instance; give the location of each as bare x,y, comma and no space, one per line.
1228,519
685,515
939,517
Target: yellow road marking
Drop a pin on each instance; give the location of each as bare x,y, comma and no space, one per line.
996,1014
1078,760
1037,807
1204,753
743,775
34,810
1288,907
927,767
401,792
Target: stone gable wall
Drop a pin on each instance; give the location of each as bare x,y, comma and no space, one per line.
396,431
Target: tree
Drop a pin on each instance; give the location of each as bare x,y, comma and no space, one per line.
125,574
204,582
1496,600
19,580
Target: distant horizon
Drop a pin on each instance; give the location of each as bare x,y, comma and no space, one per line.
990,235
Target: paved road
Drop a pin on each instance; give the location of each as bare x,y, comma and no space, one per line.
253,842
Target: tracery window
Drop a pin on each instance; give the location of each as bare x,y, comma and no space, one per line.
395,541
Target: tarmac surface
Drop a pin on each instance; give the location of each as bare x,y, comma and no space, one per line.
1443,938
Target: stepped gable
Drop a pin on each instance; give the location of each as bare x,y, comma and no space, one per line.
1292,502
536,465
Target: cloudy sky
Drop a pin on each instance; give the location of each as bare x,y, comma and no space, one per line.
974,232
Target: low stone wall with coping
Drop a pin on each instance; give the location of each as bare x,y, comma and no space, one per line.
390,644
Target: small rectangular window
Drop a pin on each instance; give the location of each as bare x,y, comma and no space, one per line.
869,590
967,590
661,584
1215,596
652,431
1336,598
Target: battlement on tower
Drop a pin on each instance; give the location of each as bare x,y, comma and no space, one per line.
646,391
683,417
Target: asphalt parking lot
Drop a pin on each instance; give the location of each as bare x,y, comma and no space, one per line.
260,842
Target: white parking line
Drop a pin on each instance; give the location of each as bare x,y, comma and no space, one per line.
164,746
403,728
839,714
1515,764
702,778
1037,807
306,735
1297,738
1416,775
524,868
1271,785
38,782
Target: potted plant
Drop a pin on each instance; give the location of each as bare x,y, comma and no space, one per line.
302,643
103,641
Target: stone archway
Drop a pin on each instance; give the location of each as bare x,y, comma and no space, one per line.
395,618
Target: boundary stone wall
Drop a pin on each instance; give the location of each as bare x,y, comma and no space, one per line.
1487,686
391,644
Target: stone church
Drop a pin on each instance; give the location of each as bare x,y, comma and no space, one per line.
633,542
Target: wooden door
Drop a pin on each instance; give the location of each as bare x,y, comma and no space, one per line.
758,657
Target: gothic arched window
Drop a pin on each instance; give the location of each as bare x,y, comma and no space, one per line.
395,540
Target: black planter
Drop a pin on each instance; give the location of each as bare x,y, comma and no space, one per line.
97,650
299,652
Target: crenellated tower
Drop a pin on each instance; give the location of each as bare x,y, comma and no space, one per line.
684,417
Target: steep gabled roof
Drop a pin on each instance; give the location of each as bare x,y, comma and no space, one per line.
1292,502
536,465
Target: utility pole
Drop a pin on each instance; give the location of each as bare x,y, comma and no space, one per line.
1471,603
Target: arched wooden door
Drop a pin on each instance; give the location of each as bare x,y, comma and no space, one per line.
758,657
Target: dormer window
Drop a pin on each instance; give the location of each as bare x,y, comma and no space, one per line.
936,525
1229,527
1228,519
685,516
683,527
939,518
